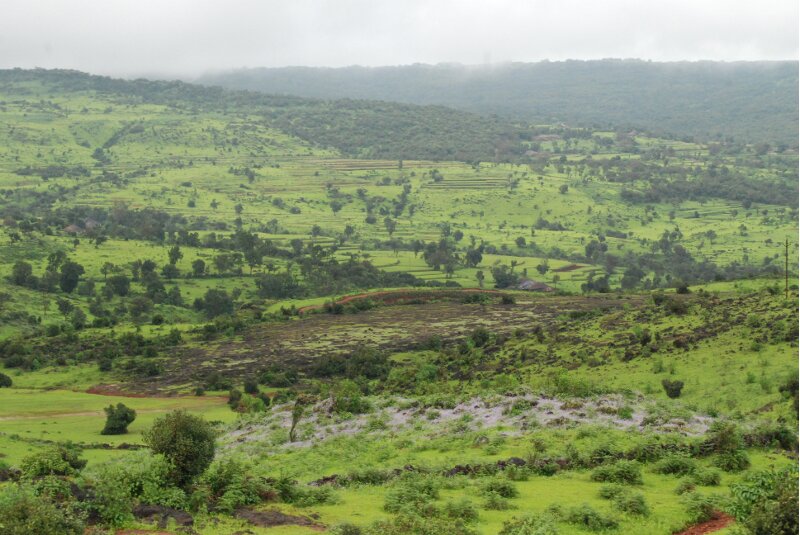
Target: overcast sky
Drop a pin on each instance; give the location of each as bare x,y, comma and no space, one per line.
188,37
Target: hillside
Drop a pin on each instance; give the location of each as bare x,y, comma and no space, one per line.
746,101
230,312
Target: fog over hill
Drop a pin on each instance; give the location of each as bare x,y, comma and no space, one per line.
747,101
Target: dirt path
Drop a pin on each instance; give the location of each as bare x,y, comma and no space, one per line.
388,293
720,521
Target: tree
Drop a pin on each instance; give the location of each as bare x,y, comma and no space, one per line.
174,254
187,441
70,275
198,268
170,271
473,257
481,277
390,225
672,388
140,305
21,273
563,189
78,319
217,302
120,285
543,268
64,306
336,206
118,419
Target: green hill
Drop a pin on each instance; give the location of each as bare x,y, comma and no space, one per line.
746,101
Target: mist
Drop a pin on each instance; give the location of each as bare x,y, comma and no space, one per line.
185,38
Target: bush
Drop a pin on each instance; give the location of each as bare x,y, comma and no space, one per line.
187,441
5,381
672,388
347,398
699,507
409,523
501,487
609,492
138,476
118,419
23,513
707,477
346,529
413,491
232,485
734,461
676,465
766,502
529,525
55,461
686,485
632,503
620,472
586,517
495,502
462,509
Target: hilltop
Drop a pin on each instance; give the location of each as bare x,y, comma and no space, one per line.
753,102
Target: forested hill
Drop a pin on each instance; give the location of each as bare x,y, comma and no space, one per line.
748,101
358,128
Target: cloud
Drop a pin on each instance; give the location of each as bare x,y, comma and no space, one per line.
186,37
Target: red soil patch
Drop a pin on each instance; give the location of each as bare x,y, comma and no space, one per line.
720,521
410,294
564,269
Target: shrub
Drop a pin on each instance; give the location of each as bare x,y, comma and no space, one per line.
495,502
347,398
118,419
409,523
529,525
620,472
686,485
187,441
462,509
632,503
251,387
501,487
733,461
766,502
414,491
676,465
609,492
232,485
586,517
346,529
5,381
707,477
23,512
672,388
699,507
56,461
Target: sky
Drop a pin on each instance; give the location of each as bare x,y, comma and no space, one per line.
185,38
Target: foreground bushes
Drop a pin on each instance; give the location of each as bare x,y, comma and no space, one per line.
23,512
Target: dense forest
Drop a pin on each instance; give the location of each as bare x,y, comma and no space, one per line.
743,101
